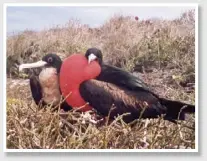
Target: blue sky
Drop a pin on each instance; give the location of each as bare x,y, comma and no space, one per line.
38,18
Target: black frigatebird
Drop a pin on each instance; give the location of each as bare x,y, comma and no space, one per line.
102,87
114,74
45,87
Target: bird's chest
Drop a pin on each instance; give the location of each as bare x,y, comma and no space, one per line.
49,82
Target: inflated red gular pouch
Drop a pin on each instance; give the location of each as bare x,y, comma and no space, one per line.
75,70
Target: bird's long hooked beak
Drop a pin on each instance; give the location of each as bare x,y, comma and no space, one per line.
91,58
32,65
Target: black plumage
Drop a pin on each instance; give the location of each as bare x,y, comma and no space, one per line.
128,93
116,75
45,86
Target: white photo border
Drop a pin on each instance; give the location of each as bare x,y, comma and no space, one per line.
102,5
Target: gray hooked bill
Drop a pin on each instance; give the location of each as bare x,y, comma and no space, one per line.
32,65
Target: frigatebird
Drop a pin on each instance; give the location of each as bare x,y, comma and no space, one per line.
115,75
112,91
45,87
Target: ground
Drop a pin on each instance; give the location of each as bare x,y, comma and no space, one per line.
161,52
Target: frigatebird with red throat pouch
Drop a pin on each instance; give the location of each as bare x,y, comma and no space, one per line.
108,89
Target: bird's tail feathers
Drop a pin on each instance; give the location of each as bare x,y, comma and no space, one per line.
176,110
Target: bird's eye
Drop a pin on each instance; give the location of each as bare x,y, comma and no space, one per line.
50,59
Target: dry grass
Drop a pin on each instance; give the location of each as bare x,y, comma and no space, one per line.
163,51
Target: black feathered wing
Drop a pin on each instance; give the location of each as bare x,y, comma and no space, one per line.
36,90
122,78
106,97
